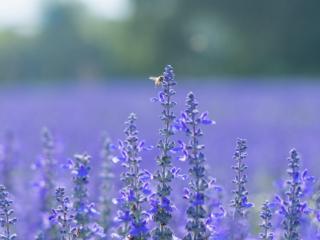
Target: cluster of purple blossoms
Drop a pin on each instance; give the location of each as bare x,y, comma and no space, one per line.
240,202
7,220
199,183
145,203
292,205
85,211
205,214
266,224
236,219
161,202
133,196
62,216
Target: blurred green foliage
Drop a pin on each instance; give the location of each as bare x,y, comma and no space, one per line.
200,38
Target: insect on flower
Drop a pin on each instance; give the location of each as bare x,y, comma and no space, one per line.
157,80
162,206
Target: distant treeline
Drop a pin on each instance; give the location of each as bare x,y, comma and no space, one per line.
200,38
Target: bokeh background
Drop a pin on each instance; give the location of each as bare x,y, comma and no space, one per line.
71,40
80,67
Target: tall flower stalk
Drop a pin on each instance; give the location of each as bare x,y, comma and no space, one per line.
133,195
161,203
266,225
238,228
291,206
199,182
240,202
7,219
107,177
62,216
84,211
46,184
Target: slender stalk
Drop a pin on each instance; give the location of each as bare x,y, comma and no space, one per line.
161,203
133,195
6,215
190,123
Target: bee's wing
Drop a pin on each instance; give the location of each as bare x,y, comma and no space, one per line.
153,78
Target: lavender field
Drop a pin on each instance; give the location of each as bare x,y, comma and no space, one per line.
273,118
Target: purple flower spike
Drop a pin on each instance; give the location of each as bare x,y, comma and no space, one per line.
190,123
163,175
132,218
291,206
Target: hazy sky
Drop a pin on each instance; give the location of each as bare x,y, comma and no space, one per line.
20,13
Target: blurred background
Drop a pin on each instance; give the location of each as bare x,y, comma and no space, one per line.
72,40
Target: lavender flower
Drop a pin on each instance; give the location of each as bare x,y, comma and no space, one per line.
291,207
240,202
46,184
133,195
107,177
217,213
63,217
266,226
84,211
199,182
7,220
161,204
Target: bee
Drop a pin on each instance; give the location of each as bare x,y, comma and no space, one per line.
157,80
